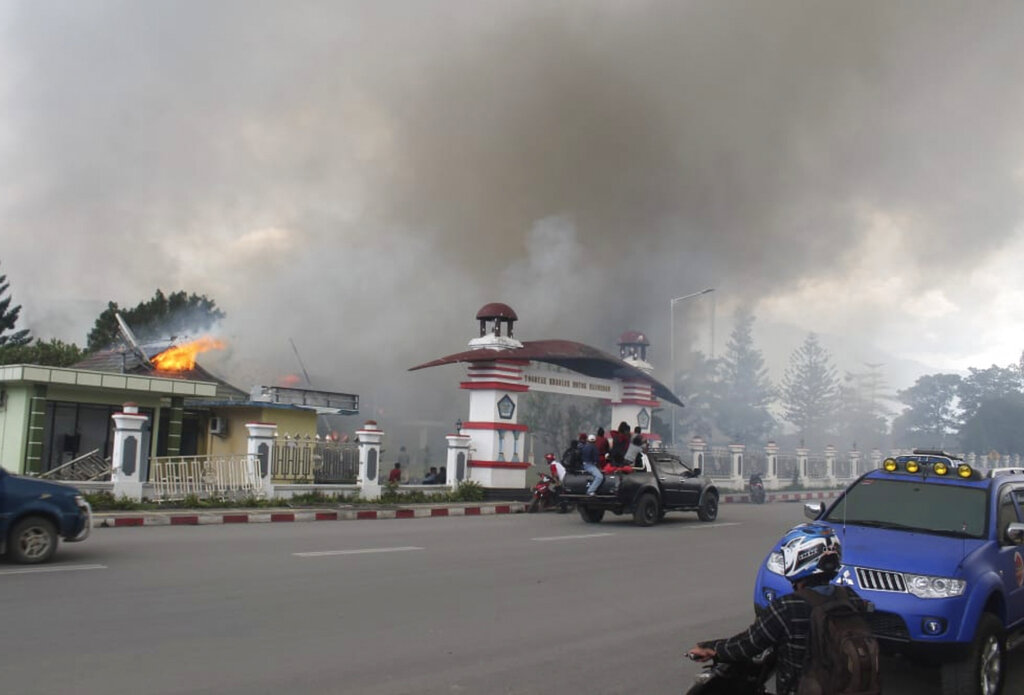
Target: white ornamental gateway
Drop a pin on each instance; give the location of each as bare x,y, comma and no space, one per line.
490,446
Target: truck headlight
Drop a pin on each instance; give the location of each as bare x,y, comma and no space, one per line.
775,563
923,586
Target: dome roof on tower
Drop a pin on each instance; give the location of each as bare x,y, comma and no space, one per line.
496,310
634,338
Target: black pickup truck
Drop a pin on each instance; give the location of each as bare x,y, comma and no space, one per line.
657,483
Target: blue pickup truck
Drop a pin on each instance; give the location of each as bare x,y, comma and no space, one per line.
936,546
35,513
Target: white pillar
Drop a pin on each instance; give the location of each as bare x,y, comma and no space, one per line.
260,447
802,478
737,476
498,439
771,474
697,449
457,463
126,455
830,466
370,438
876,459
854,464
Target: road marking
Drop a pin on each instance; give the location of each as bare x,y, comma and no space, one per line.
53,568
364,551
569,538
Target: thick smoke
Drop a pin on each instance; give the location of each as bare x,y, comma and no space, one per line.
362,177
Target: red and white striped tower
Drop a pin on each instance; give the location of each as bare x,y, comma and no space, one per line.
497,440
636,402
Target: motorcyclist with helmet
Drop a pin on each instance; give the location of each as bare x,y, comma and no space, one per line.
556,467
811,556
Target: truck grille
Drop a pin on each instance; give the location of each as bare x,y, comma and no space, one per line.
881,580
888,626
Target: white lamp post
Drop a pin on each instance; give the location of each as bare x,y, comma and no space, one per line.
672,346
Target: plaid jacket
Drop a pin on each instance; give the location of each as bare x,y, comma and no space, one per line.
784,625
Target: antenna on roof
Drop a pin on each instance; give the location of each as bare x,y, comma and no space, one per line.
129,338
299,358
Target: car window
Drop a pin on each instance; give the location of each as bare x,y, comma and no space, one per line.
670,466
915,506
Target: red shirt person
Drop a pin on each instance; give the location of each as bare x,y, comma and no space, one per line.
395,476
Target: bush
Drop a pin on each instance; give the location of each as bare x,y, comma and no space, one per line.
468,491
312,499
106,502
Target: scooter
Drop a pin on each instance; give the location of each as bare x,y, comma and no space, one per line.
546,494
739,678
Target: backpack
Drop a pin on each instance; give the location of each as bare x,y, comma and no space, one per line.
572,458
842,654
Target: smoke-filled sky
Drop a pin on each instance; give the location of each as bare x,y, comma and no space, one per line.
361,177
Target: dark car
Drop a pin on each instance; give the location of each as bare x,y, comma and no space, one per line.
657,483
35,513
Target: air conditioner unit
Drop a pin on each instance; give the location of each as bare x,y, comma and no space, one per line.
218,425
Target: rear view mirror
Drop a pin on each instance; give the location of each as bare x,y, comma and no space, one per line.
1015,533
812,510
696,471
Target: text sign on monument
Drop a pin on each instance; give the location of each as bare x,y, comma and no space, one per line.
553,380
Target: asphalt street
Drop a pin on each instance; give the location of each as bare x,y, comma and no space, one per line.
515,604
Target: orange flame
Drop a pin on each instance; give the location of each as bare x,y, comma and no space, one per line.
289,380
182,357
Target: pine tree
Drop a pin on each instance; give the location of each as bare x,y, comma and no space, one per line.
746,390
810,391
162,317
9,317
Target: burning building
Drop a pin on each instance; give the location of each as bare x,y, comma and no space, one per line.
51,415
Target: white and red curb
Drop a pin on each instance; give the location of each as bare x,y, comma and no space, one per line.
243,517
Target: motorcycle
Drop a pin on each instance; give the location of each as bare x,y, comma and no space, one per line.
547,494
756,490
734,678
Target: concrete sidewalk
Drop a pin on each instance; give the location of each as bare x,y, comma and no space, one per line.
205,517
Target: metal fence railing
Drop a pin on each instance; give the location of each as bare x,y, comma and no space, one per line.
222,477
314,460
89,466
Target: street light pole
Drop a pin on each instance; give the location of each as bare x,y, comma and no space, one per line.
672,346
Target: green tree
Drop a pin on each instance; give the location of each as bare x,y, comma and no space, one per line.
54,353
931,419
8,318
981,385
555,419
996,426
700,390
863,418
746,391
810,392
163,316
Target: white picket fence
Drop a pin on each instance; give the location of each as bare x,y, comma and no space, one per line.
223,477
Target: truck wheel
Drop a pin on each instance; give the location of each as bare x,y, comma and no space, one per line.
646,512
981,673
32,540
591,516
708,510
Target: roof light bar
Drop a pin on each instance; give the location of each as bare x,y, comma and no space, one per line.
913,466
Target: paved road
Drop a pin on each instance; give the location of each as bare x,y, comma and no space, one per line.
517,604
